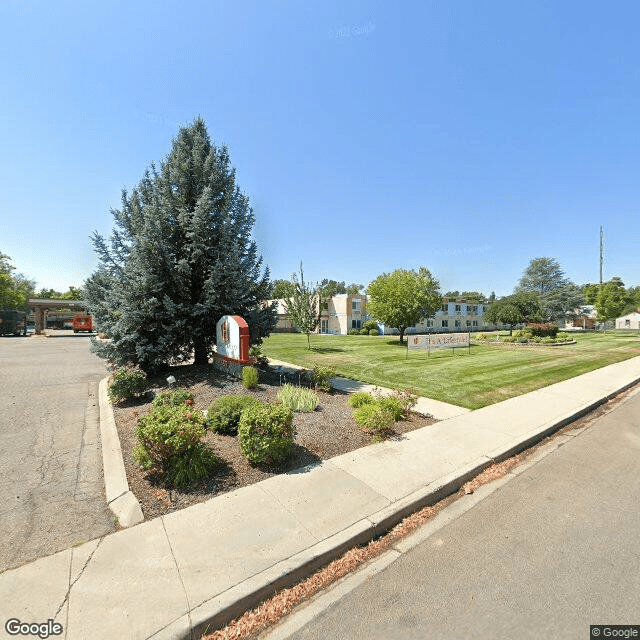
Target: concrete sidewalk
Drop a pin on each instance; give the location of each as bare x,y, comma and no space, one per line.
172,576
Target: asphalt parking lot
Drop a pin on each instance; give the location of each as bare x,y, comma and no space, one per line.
51,483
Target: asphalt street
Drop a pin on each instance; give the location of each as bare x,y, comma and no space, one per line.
550,550
51,482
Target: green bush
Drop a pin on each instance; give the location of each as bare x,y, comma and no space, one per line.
563,337
374,418
398,404
353,332
364,332
360,398
374,332
369,325
224,413
195,463
170,440
266,433
548,340
256,353
298,398
537,339
322,377
174,398
249,377
127,384
543,330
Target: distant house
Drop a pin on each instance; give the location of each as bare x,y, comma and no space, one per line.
584,317
340,313
630,321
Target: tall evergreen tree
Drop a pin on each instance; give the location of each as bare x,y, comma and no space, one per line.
180,257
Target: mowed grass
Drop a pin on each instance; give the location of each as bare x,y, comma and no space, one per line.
488,374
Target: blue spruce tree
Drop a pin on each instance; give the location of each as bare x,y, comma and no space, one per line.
179,258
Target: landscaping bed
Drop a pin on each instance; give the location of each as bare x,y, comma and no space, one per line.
321,434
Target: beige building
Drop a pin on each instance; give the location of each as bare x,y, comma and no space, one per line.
340,314
630,321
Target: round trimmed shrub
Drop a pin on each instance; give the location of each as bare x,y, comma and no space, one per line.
374,332
224,413
127,384
266,433
374,418
360,398
364,332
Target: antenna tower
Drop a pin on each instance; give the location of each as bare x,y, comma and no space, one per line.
601,251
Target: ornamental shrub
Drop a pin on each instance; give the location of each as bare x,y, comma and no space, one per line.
364,332
353,332
369,325
249,377
195,463
374,332
361,398
174,398
266,433
224,413
543,330
398,403
298,398
548,340
374,418
127,384
322,377
170,440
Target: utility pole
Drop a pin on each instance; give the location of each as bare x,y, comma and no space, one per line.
601,251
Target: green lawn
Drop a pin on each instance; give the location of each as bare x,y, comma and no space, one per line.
488,374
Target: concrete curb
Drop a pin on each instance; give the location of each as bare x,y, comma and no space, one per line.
219,611
120,499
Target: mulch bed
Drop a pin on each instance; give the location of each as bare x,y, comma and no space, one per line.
322,434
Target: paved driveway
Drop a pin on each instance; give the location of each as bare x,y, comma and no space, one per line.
51,483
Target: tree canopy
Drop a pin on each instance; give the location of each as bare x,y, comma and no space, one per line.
303,306
612,300
15,288
180,257
403,298
514,309
556,293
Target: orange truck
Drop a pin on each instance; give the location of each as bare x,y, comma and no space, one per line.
82,322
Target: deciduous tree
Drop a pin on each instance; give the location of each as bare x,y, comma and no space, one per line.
403,298
303,306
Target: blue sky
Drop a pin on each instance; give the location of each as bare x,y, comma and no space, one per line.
468,137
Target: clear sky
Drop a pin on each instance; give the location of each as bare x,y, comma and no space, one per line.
468,137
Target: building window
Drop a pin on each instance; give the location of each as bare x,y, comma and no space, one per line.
475,323
445,323
429,323
457,323
468,323
627,323
445,308
356,324
355,305
458,308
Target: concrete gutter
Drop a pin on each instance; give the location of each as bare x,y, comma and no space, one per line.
120,499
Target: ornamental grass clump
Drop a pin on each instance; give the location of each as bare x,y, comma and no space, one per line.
170,441
224,413
249,377
266,433
298,398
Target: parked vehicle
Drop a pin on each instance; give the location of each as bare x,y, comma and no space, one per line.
82,322
13,323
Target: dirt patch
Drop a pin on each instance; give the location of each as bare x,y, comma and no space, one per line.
322,434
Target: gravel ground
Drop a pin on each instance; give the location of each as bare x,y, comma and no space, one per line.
324,433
